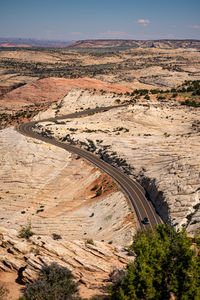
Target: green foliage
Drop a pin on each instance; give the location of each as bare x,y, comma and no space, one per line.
54,283
95,187
160,97
174,95
147,97
141,92
56,236
90,242
26,232
190,103
154,92
98,193
165,265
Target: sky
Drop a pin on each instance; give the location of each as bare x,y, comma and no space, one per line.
69,20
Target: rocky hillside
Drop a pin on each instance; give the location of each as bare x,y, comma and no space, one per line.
169,44
159,141
90,263
56,190
78,215
52,89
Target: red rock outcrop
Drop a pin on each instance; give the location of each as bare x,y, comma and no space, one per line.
51,89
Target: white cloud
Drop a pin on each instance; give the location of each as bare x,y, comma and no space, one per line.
143,22
194,26
112,34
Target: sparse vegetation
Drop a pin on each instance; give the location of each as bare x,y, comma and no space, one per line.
54,283
26,231
90,242
95,187
192,103
56,236
98,192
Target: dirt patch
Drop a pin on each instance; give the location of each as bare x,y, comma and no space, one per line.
8,280
105,184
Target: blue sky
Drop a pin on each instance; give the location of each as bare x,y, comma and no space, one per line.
100,19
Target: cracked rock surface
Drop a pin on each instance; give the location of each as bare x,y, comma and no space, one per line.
159,142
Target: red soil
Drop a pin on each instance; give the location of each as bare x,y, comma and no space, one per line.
52,89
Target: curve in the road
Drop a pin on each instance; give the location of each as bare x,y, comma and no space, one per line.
134,190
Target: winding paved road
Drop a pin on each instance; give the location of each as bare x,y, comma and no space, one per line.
135,192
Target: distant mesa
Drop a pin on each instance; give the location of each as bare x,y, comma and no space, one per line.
162,44
8,45
20,42
106,43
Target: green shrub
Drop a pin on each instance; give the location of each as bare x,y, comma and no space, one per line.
56,236
190,103
160,97
54,283
98,193
166,264
90,242
95,187
174,95
26,232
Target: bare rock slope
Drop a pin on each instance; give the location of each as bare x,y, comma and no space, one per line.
90,264
159,141
58,193
49,90
73,224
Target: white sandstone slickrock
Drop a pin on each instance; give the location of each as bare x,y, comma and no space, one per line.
52,189
161,143
90,264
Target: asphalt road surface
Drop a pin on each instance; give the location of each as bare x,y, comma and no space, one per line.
134,190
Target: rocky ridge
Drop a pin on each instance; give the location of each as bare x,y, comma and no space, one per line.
91,264
169,44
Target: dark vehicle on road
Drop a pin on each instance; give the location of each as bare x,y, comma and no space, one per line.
145,221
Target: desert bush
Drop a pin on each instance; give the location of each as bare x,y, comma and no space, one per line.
98,193
90,242
160,97
191,103
56,236
95,187
26,232
54,283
